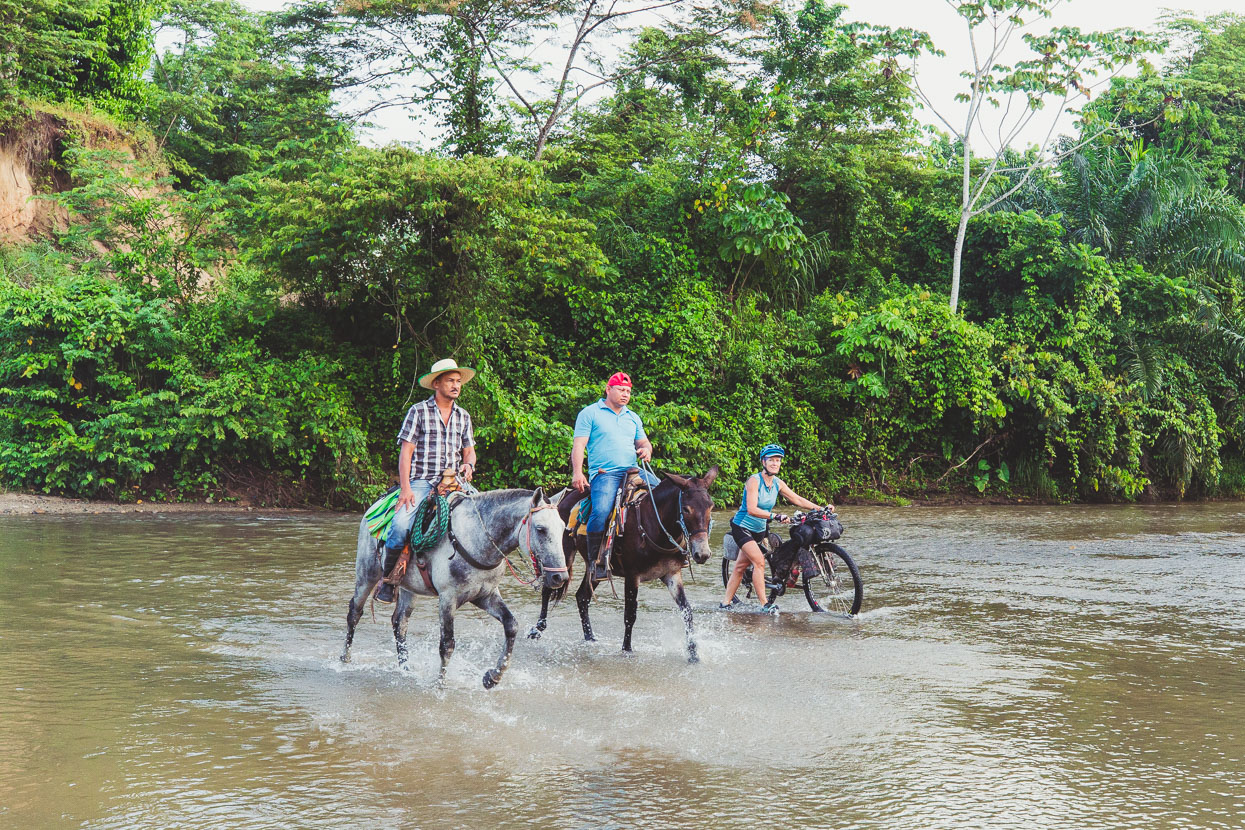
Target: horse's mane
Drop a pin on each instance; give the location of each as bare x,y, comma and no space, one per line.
663,489
666,490
498,495
666,485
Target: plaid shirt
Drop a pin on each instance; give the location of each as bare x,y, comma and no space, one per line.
436,445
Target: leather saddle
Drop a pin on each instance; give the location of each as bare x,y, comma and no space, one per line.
578,505
448,483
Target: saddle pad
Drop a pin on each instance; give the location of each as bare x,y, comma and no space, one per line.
380,515
577,524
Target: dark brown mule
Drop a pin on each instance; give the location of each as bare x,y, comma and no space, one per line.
660,534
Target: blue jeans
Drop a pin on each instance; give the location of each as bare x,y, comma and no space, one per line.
602,490
400,528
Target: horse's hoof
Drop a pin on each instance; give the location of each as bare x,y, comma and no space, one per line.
588,638
345,658
534,634
491,678
693,658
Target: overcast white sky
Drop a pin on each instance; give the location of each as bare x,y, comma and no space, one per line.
939,77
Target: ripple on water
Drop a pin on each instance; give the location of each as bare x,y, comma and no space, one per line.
1050,667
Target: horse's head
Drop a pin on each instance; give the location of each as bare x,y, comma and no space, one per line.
542,536
697,505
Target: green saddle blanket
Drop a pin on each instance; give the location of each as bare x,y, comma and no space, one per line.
380,515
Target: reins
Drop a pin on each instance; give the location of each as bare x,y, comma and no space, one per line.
653,500
537,568
684,548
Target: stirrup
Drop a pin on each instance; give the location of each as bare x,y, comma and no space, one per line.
385,593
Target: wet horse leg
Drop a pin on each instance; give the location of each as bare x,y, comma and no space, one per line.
362,588
582,597
402,616
541,624
631,600
494,605
449,604
675,583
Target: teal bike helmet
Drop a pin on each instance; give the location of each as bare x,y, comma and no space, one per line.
772,449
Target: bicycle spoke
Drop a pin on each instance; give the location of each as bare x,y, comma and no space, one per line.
833,587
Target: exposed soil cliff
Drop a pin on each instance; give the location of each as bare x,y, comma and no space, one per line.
32,165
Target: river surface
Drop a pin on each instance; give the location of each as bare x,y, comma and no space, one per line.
1063,667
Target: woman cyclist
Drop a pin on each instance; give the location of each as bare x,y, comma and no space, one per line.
750,524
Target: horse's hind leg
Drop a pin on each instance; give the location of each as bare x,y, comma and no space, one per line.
631,601
675,584
541,624
402,616
582,597
449,605
494,605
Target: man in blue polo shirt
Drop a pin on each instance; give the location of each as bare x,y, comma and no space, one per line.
613,438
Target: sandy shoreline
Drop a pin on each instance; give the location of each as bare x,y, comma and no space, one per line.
28,503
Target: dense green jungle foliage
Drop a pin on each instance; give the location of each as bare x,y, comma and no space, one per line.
747,219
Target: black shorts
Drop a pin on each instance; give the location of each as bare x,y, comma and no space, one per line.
742,535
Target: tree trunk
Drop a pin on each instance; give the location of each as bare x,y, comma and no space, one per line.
966,207
958,259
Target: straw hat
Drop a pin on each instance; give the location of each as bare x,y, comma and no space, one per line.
441,367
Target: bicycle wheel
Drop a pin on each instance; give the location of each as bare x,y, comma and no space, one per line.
836,587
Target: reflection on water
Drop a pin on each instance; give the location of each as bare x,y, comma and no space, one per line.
1067,667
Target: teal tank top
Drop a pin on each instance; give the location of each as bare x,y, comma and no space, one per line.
767,497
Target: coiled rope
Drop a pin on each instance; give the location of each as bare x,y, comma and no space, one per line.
432,517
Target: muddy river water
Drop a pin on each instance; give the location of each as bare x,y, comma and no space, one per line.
1061,667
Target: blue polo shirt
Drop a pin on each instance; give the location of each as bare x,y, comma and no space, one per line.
611,436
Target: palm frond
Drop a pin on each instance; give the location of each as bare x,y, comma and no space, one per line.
1151,204
1143,364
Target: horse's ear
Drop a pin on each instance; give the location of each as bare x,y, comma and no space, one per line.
708,478
682,482
538,497
556,499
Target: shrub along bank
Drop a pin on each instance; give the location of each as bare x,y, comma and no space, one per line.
764,250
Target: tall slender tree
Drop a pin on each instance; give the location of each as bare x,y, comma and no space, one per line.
1004,101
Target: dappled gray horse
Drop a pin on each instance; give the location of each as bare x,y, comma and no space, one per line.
467,565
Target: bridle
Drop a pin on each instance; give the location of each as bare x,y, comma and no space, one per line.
470,560
688,538
539,568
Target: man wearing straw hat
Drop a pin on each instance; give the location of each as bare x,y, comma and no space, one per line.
436,435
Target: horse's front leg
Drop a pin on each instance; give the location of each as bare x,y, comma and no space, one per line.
674,582
402,616
494,605
631,601
362,589
541,624
582,598
449,604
